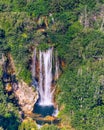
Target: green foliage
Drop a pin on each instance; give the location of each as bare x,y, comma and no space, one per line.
38,7
9,118
25,74
17,34
28,124
10,123
79,45
43,46
84,100
49,127
81,83
3,98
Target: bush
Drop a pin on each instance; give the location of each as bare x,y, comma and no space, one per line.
49,127
28,124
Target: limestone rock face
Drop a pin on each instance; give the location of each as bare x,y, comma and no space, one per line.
26,96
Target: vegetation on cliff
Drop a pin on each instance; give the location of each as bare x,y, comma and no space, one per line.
76,30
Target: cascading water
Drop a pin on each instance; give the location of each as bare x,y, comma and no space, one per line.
45,85
45,78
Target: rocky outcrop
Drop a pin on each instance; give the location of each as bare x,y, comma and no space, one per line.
27,97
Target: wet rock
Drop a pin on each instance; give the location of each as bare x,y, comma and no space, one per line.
50,118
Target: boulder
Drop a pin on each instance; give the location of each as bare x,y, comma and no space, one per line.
27,97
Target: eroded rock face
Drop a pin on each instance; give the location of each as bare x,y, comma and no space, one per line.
26,96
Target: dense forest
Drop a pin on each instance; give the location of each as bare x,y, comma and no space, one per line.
75,28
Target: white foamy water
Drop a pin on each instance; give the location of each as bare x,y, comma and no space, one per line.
45,89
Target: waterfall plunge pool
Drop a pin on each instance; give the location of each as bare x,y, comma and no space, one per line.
47,114
44,110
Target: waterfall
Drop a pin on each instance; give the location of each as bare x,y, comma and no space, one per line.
45,72
45,78
44,75
47,60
